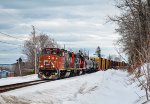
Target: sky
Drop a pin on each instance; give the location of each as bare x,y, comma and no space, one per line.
79,24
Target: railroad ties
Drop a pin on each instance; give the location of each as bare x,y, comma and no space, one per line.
10,87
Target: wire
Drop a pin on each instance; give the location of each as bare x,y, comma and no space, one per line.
9,49
10,36
9,43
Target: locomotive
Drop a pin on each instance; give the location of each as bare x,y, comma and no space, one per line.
57,63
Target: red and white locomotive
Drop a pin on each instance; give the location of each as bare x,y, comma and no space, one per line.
57,63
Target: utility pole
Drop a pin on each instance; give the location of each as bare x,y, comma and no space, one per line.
35,53
19,69
19,65
64,46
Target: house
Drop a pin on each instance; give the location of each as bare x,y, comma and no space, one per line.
3,73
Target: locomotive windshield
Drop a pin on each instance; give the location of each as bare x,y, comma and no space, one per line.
52,51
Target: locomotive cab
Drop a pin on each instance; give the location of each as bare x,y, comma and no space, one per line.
51,60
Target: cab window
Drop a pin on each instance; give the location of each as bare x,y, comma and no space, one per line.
52,51
59,53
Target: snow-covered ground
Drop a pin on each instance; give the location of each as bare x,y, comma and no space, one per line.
12,80
103,87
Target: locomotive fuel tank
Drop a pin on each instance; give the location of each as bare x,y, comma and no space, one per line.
89,65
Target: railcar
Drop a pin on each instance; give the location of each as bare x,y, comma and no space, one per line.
104,64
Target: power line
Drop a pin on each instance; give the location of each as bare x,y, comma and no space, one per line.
10,36
9,43
9,49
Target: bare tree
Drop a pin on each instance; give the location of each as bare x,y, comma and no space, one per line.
134,28
39,42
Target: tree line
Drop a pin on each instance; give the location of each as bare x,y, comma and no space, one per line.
134,29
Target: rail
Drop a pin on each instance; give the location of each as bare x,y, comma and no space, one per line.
10,87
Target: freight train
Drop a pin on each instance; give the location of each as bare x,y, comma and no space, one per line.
55,63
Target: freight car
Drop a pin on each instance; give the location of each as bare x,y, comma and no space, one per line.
104,64
57,63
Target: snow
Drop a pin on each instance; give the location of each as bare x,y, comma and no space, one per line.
102,87
12,80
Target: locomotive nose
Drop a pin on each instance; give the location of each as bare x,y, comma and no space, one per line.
52,58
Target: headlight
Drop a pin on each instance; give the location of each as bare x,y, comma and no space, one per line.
41,66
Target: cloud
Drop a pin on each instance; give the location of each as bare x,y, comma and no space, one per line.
8,58
64,25
23,4
78,11
76,23
5,26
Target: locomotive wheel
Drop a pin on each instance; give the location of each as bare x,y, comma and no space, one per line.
72,73
78,72
83,71
62,73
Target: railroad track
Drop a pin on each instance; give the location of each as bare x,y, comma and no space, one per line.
10,87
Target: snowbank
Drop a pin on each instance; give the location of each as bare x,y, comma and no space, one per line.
140,78
103,87
12,80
